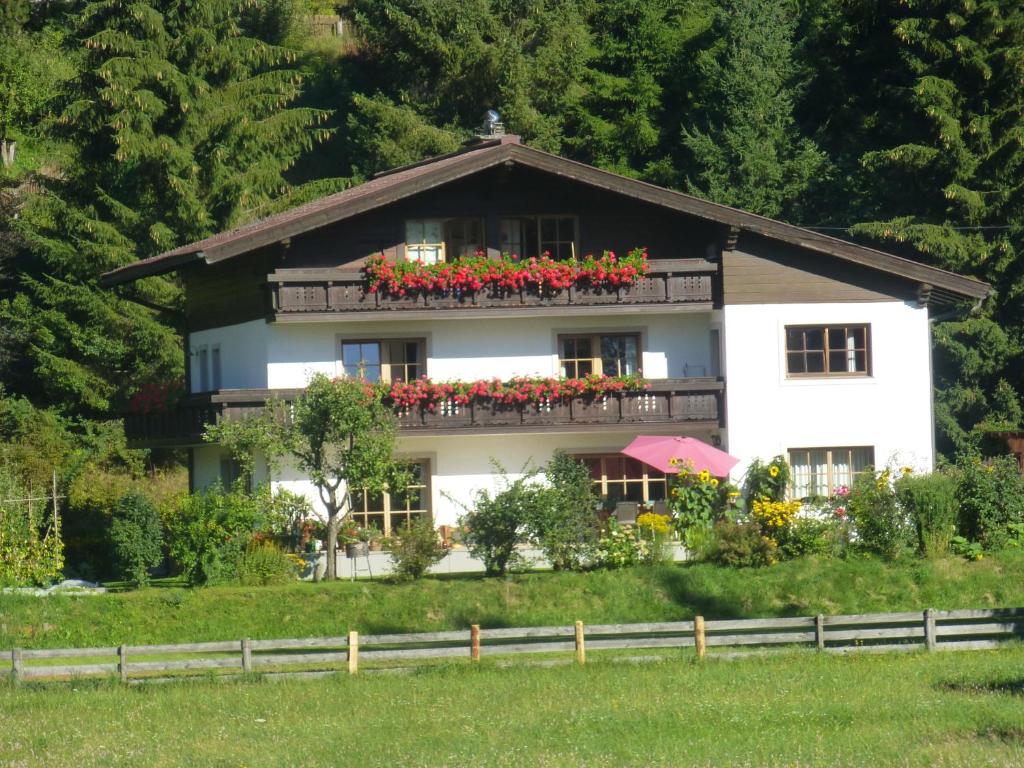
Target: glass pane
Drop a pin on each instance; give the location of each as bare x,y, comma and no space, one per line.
412,352
814,338
374,502
633,468
432,229
818,485
860,361
815,362
414,498
568,369
862,458
568,348
858,335
370,372
634,491
370,353
529,238
837,361
414,232
548,230
631,354
656,490
616,491
374,521
794,339
584,368
567,229
594,465
613,467
795,362
837,338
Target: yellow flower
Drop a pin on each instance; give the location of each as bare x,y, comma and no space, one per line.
733,494
673,461
714,482
907,470
773,471
704,476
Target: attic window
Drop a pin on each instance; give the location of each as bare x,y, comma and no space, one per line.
435,240
528,236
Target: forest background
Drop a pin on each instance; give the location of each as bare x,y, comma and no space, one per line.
128,128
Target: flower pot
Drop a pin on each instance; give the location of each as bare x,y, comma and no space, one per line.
357,549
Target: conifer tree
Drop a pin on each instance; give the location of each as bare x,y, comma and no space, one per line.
746,148
180,127
923,107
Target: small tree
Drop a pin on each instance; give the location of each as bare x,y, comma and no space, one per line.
565,522
341,435
496,523
137,537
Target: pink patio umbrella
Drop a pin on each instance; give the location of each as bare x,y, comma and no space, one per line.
659,450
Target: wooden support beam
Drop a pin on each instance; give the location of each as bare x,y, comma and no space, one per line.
698,636
474,642
581,647
353,652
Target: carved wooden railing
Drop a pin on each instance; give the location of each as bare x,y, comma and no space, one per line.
666,401
304,291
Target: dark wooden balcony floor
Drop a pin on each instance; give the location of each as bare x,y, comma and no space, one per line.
686,402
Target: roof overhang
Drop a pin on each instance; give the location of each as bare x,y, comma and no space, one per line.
404,182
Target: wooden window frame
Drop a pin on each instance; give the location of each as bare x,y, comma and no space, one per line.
361,513
538,221
383,344
830,478
645,481
596,362
442,246
826,351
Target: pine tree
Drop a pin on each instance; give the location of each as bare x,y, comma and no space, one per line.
746,148
180,127
922,104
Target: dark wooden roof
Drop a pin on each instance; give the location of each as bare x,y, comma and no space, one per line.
403,182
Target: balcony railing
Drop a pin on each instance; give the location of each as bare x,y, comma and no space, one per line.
686,402
299,292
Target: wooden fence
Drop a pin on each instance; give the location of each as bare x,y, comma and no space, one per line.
879,632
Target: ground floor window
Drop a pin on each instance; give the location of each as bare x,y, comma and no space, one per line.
819,471
619,478
389,513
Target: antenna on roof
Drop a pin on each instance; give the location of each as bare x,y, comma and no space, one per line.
492,127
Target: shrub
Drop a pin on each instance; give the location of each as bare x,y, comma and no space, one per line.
655,530
991,498
773,517
264,562
415,548
31,552
619,546
741,545
564,523
882,527
210,530
769,480
930,501
497,523
811,536
697,500
137,537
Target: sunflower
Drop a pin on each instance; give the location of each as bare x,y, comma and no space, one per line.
704,476
773,471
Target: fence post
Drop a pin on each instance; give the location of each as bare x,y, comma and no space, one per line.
16,664
122,662
819,632
698,635
353,652
929,629
581,647
246,655
474,642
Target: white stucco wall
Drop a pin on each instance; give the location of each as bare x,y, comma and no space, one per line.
767,414
472,348
243,354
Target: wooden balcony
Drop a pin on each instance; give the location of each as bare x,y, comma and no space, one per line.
303,294
690,403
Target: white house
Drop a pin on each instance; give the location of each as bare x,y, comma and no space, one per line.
755,335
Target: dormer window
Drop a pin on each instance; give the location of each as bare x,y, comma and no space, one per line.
435,240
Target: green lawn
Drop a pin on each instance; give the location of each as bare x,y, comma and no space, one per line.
803,587
942,709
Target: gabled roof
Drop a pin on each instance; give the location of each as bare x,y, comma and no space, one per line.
399,183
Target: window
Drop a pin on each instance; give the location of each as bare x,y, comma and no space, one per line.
531,236
435,240
204,369
608,354
389,513
620,478
215,365
819,471
383,360
230,472
827,350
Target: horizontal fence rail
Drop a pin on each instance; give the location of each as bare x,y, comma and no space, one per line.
878,632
